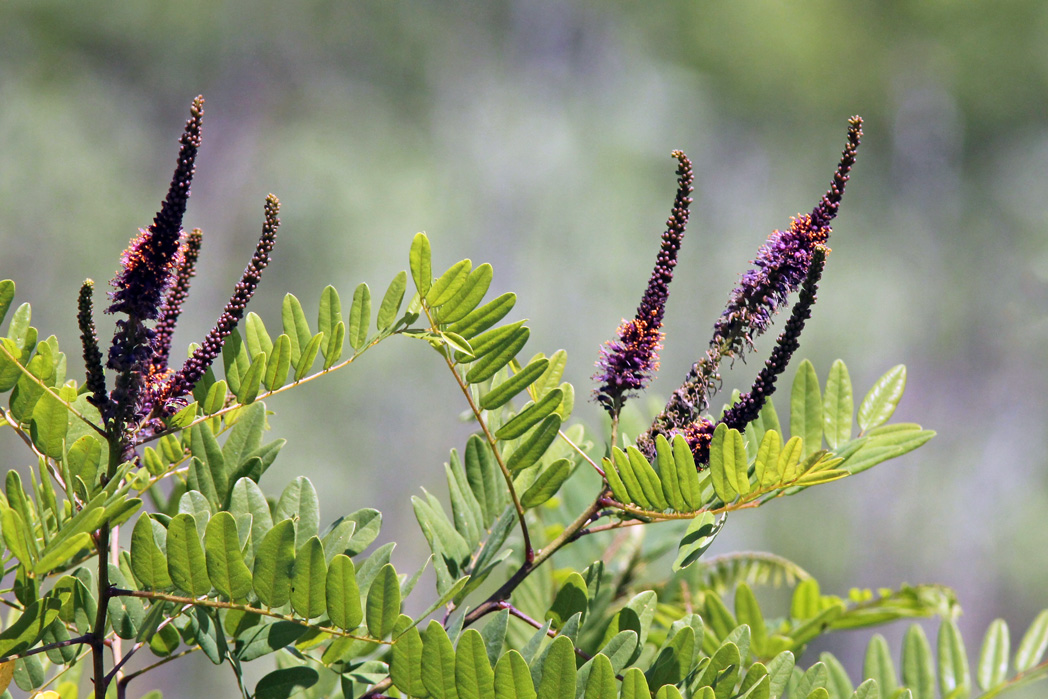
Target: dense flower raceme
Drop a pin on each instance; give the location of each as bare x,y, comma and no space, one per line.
781,265
627,363
152,285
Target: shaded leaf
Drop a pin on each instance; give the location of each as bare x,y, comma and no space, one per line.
309,580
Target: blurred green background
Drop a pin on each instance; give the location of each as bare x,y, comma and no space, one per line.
536,134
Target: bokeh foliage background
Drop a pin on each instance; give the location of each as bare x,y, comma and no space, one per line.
535,134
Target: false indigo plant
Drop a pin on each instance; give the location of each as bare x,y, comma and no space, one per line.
212,566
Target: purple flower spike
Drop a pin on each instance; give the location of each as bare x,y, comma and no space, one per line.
626,364
195,367
176,296
781,266
151,258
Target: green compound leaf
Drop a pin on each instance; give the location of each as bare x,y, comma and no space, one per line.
383,605
806,408
391,300
420,263
474,678
838,406
225,562
449,283
274,563
360,317
185,556
697,539
309,580
879,404
343,595
513,678
993,657
558,670
468,296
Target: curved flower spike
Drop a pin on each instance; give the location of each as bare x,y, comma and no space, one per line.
176,296
627,363
184,379
781,265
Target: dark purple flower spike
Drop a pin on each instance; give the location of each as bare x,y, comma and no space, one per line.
96,376
627,363
148,265
781,265
172,307
196,366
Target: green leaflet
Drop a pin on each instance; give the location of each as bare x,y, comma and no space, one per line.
448,284
391,300
309,580
49,424
329,313
635,685
55,555
247,499
360,317
438,662
534,446
308,356
558,670
779,670
728,464
442,536
993,656
29,626
383,603
530,415
470,293
815,678
513,677
668,691
674,660
766,465
669,474
465,508
648,479
838,683
954,674
571,599
295,325
918,670
881,446
600,680
1033,643
630,480
618,488
806,419
368,524
484,317
278,364
332,348
838,406
148,560
252,381
405,668
486,366
299,502
7,295
235,360
225,562
748,611
502,393
185,556
547,484
880,402
697,539
867,690
687,474
343,595
283,683
256,337
420,263
274,561
474,677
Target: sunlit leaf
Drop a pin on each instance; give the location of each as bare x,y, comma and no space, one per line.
185,556
806,414
360,317
274,562
225,562
343,596
391,300
513,677
698,537
474,677
881,400
467,297
993,657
